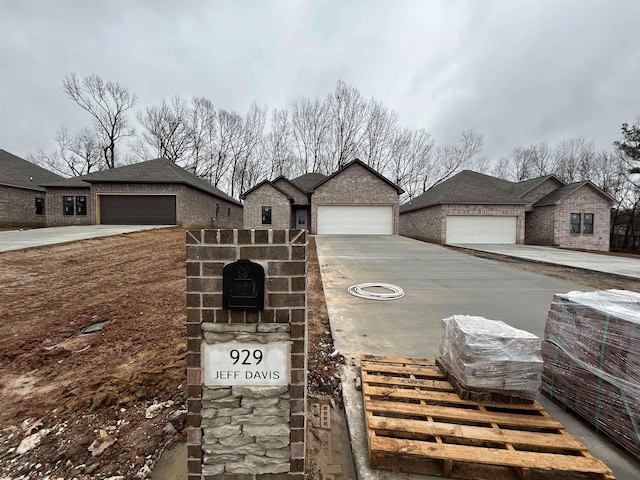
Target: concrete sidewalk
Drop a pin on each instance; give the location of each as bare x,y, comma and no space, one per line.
37,237
622,266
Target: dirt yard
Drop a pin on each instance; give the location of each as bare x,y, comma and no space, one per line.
86,397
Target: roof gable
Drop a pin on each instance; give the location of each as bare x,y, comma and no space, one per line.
522,188
366,167
269,184
563,192
282,178
21,173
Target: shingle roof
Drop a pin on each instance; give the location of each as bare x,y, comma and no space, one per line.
18,172
367,167
557,195
466,187
308,181
160,170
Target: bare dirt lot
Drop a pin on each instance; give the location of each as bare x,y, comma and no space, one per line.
86,396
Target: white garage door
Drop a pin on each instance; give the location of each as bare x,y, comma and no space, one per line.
481,229
352,219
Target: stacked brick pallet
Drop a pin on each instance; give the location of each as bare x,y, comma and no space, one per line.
592,361
488,357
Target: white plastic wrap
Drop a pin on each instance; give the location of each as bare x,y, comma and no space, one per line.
592,361
491,356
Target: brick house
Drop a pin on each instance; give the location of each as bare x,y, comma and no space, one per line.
354,200
471,207
22,198
155,192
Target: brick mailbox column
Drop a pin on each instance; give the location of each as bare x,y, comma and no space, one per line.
246,369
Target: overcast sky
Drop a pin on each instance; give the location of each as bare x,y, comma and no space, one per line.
518,72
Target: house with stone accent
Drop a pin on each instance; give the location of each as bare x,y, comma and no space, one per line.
22,197
354,200
155,192
471,207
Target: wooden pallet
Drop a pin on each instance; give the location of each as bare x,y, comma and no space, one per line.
417,423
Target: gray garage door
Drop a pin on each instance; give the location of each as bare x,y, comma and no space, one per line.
138,209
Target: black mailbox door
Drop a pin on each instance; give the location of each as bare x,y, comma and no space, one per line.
243,286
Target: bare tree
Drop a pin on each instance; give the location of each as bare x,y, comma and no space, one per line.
202,130
107,103
310,121
279,142
411,160
166,129
379,133
244,146
449,160
573,159
348,112
77,154
229,139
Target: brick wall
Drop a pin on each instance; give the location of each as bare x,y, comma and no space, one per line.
266,195
584,200
239,433
426,224
55,212
540,226
355,186
196,209
429,223
18,207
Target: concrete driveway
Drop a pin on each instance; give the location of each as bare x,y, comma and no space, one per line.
599,262
437,282
19,239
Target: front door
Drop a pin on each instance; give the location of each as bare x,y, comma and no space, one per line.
301,219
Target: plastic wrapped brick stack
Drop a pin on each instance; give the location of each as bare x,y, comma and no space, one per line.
490,356
592,361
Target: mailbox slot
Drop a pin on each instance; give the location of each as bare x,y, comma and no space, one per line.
243,286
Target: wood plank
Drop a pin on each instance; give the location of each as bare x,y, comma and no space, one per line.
414,394
462,414
435,396
407,382
557,440
400,370
491,456
397,360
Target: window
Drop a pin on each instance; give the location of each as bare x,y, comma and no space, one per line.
217,210
302,218
67,205
228,212
266,215
39,206
588,223
81,205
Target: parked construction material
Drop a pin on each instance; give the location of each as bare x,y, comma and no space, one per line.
592,361
490,357
416,423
